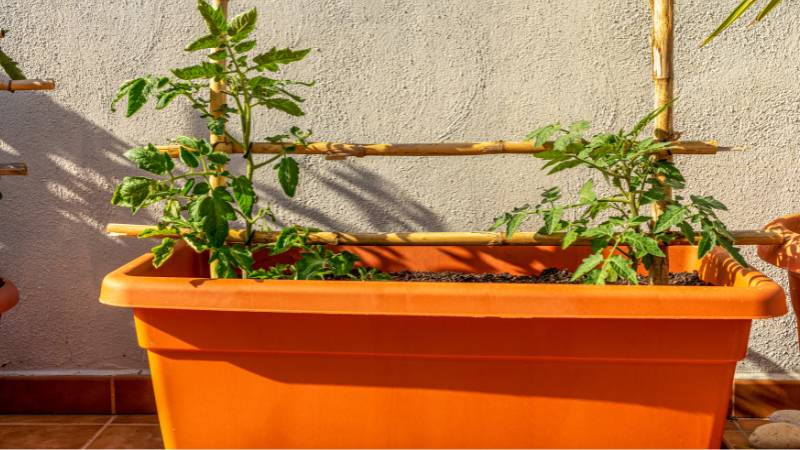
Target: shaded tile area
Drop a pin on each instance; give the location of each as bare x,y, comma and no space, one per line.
77,394
55,395
136,419
46,435
128,436
737,432
38,419
133,395
80,431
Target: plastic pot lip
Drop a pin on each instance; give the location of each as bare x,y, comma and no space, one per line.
9,296
786,256
749,295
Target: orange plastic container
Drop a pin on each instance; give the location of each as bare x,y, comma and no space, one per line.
244,363
786,256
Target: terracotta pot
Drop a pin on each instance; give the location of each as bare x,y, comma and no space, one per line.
786,256
245,363
9,296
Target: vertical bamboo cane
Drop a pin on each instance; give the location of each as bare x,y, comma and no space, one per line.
662,47
216,104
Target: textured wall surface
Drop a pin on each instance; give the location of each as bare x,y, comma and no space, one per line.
386,71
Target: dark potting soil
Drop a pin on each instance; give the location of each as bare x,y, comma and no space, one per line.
553,276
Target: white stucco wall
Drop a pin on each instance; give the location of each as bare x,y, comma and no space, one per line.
386,71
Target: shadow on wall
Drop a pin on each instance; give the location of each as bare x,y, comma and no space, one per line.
52,240
53,244
764,363
63,204
74,166
355,196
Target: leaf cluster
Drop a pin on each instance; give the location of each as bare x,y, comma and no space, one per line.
622,237
315,262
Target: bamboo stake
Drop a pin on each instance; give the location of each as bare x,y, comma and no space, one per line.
216,106
13,169
217,99
336,150
27,85
748,237
662,47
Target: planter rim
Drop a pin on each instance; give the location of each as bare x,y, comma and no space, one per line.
751,295
9,296
786,256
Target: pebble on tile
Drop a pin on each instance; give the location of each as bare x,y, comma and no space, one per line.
791,416
776,435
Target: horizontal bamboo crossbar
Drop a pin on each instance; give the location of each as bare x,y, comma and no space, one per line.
27,85
335,150
442,238
13,169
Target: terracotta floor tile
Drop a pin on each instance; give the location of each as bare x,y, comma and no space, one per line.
137,419
735,440
748,425
46,436
129,436
25,419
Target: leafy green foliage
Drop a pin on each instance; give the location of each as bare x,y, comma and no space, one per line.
737,13
315,262
622,237
193,211
8,65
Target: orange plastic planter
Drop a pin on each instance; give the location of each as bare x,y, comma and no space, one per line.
244,363
786,256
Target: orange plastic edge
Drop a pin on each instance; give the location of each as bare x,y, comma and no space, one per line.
742,293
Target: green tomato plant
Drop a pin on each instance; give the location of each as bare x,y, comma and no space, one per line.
192,208
621,236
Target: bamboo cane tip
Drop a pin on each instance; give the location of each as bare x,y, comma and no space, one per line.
738,148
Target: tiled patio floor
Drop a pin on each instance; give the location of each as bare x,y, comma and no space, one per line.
135,431
141,431
738,430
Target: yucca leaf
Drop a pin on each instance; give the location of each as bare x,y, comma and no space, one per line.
767,9
733,17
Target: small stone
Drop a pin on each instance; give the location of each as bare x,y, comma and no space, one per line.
791,416
776,435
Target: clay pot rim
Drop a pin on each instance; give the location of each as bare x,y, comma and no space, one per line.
9,295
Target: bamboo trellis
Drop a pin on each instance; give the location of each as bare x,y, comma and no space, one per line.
27,85
662,53
467,238
336,150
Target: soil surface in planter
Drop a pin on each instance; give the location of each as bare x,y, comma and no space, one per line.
553,276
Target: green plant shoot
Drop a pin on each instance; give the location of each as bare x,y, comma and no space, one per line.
621,236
